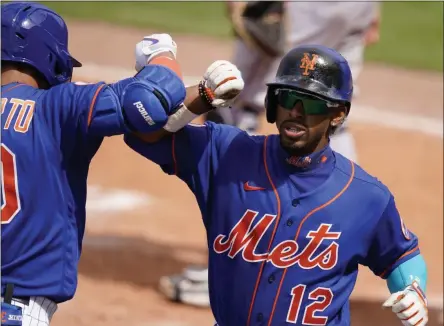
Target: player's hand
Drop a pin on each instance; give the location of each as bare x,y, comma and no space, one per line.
410,305
223,82
151,46
373,33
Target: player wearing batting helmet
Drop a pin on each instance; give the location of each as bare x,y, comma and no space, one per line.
289,220
51,129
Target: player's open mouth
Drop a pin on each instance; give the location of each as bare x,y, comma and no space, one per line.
293,130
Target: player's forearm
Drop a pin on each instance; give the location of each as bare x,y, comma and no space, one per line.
407,283
221,83
414,269
192,101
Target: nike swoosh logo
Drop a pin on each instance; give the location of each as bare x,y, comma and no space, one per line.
248,187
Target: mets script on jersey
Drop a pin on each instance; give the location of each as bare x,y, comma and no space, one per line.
245,239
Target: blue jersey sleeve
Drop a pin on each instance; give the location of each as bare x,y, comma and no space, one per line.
181,153
392,244
82,115
84,108
192,154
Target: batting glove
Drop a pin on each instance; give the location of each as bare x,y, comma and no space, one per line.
152,45
410,305
223,82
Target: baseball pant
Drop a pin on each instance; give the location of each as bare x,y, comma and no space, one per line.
37,312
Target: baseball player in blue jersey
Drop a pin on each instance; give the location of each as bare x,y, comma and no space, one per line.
288,220
51,129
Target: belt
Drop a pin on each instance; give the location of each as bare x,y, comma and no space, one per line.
23,300
8,297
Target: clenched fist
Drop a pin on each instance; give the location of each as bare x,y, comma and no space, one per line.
410,306
151,46
223,83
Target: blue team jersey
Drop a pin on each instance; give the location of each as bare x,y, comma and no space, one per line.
48,140
285,235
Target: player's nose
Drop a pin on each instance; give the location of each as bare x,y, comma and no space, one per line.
297,110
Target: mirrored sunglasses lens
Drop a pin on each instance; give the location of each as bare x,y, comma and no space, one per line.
287,99
315,107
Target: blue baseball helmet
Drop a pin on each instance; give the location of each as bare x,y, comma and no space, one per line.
314,70
36,35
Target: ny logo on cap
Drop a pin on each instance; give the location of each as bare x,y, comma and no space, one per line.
307,63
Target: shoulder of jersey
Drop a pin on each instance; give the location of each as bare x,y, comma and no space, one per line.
371,183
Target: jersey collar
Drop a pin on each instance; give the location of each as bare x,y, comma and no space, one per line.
317,160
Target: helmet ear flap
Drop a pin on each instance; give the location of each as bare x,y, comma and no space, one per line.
270,105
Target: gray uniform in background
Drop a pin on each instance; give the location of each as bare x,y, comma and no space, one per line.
339,25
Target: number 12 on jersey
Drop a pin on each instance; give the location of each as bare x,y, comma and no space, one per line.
321,298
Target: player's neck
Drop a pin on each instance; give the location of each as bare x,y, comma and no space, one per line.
15,76
309,150
312,161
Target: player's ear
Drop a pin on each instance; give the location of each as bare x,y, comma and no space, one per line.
338,117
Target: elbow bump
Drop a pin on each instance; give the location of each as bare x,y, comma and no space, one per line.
144,108
149,98
166,82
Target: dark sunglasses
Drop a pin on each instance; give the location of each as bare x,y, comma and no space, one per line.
288,98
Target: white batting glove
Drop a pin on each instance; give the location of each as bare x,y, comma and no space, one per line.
410,305
223,82
152,45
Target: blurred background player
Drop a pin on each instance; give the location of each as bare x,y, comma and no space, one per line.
264,30
347,27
